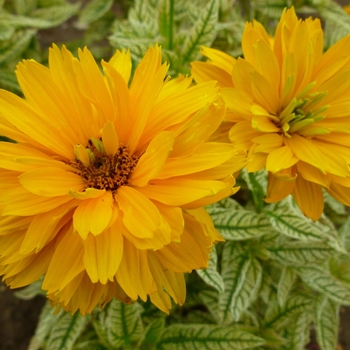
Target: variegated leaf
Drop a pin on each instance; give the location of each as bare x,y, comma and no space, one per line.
210,275
207,337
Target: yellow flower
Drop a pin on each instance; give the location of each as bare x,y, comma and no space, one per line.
289,104
102,192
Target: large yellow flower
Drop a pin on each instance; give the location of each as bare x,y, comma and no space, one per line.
103,190
289,105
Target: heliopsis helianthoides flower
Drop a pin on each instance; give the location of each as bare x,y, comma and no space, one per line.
102,193
289,104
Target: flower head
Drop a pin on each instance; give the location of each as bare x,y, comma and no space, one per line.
102,192
289,104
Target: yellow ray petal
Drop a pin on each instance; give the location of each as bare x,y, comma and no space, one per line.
180,191
134,274
278,188
219,58
312,174
140,216
340,193
65,263
280,158
51,182
151,163
93,215
309,198
204,156
173,282
204,71
110,139
121,62
103,254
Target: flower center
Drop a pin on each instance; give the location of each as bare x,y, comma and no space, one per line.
102,171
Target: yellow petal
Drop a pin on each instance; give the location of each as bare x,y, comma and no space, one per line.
66,262
312,174
93,215
121,62
278,189
309,198
110,139
280,158
103,254
151,163
204,71
51,182
140,216
134,274
219,58
205,156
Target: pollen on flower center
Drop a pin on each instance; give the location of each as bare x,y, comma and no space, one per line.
102,171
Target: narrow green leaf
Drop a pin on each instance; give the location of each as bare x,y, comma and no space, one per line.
7,19
66,331
94,10
321,280
300,253
6,32
292,224
56,15
242,278
337,207
276,316
256,182
210,299
327,323
46,321
89,345
20,42
143,19
285,284
295,332
124,325
153,332
210,275
24,7
202,33
227,203
240,224
210,337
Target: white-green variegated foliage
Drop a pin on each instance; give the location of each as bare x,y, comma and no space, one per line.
278,274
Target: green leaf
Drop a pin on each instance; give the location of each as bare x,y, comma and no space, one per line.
31,291
293,224
210,337
94,10
23,7
295,332
227,203
337,207
6,32
152,333
66,331
46,321
20,42
210,275
240,224
300,253
242,278
166,21
8,80
285,284
124,323
143,19
202,33
56,15
89,345
321,280
326,323
276,316
210,299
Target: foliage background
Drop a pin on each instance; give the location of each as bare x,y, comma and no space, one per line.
264,275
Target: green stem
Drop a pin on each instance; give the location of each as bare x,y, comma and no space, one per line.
257,192
171,24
